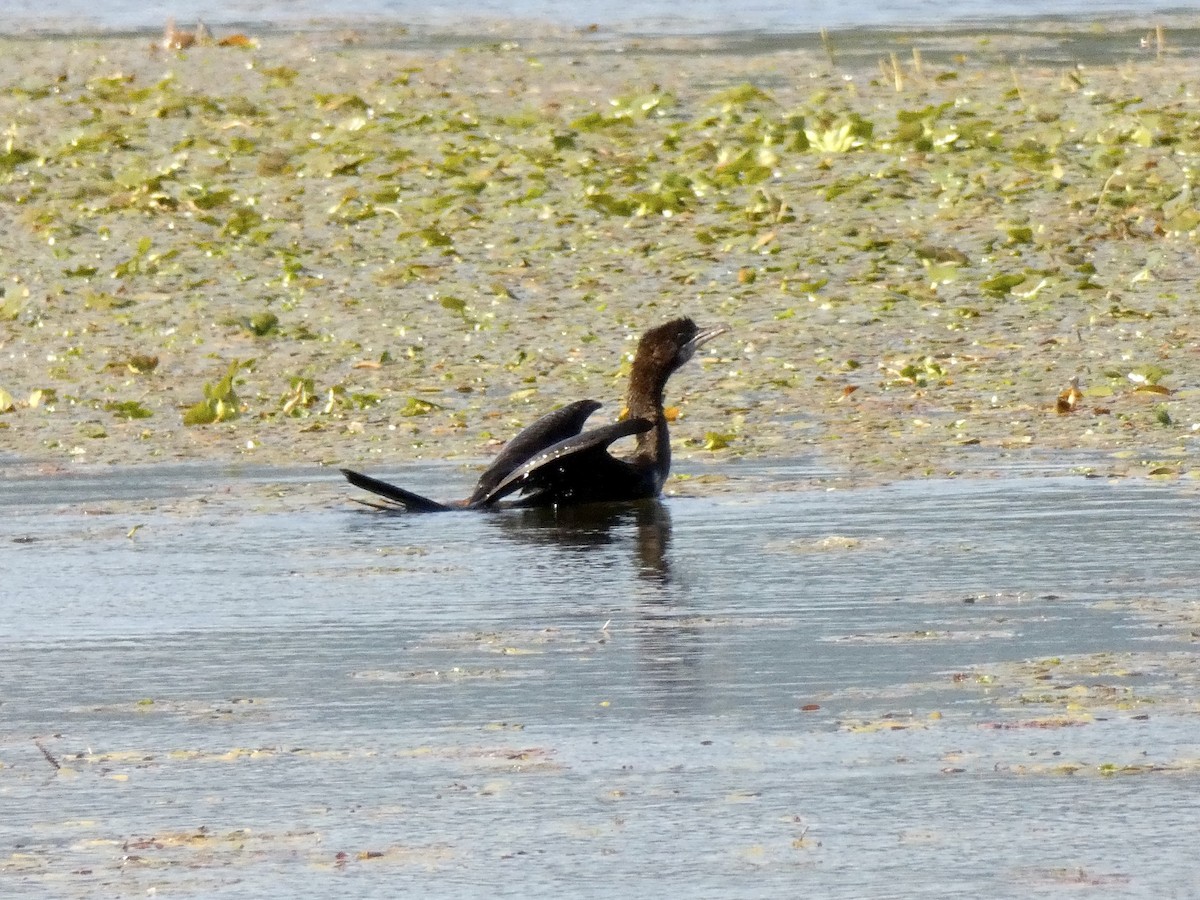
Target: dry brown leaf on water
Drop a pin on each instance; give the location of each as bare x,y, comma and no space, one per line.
174,39
1068,400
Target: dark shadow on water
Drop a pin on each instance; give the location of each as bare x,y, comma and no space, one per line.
670,652
646,526
582,528
617,555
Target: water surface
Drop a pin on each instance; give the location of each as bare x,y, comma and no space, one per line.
249,687
644,16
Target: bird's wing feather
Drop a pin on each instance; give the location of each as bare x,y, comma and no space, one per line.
410,501
547,431
532,473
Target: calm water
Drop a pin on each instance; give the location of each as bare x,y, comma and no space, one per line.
769,693
654,16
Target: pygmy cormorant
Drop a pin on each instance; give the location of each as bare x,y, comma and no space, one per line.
554,462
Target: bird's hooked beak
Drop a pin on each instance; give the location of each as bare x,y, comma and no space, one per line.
702,337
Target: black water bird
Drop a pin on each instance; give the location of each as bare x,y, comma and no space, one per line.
554,462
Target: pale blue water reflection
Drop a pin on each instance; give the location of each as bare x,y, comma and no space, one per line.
644,16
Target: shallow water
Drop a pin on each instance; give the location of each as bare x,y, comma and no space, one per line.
654,16
919,689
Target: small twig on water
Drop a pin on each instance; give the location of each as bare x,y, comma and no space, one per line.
46,753
1104,190
1016,84
828,45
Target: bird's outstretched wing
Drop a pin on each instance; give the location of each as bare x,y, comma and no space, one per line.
547,431
398,495
576,470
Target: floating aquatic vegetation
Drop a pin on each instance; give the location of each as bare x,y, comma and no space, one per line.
221,402
128,409
418,207
418,407
300,396
999,285
717,440
262,324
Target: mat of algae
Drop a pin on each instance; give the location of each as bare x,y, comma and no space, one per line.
335,247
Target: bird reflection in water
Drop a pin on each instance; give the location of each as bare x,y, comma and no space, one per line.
598,525
670,646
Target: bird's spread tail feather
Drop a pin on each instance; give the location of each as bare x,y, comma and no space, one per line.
407,499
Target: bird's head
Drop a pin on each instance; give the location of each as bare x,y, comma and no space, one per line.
668,346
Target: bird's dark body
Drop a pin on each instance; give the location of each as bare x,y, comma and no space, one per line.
554,462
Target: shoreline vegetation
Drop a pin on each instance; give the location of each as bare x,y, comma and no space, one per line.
314,248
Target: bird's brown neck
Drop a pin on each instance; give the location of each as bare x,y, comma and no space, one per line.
644,400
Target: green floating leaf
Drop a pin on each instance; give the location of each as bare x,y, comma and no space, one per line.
715,440
6,401
220,401
1148,374
1002,284
740,95
263,324
850,135
13,157
142,363
941,274
341,102
11,304
128,409
200,414
102,300
41,397
300,396
638,106
607,203
928,114
241,221
280,76
435,237
418,407
133,265
209,198
1188,220
349,166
